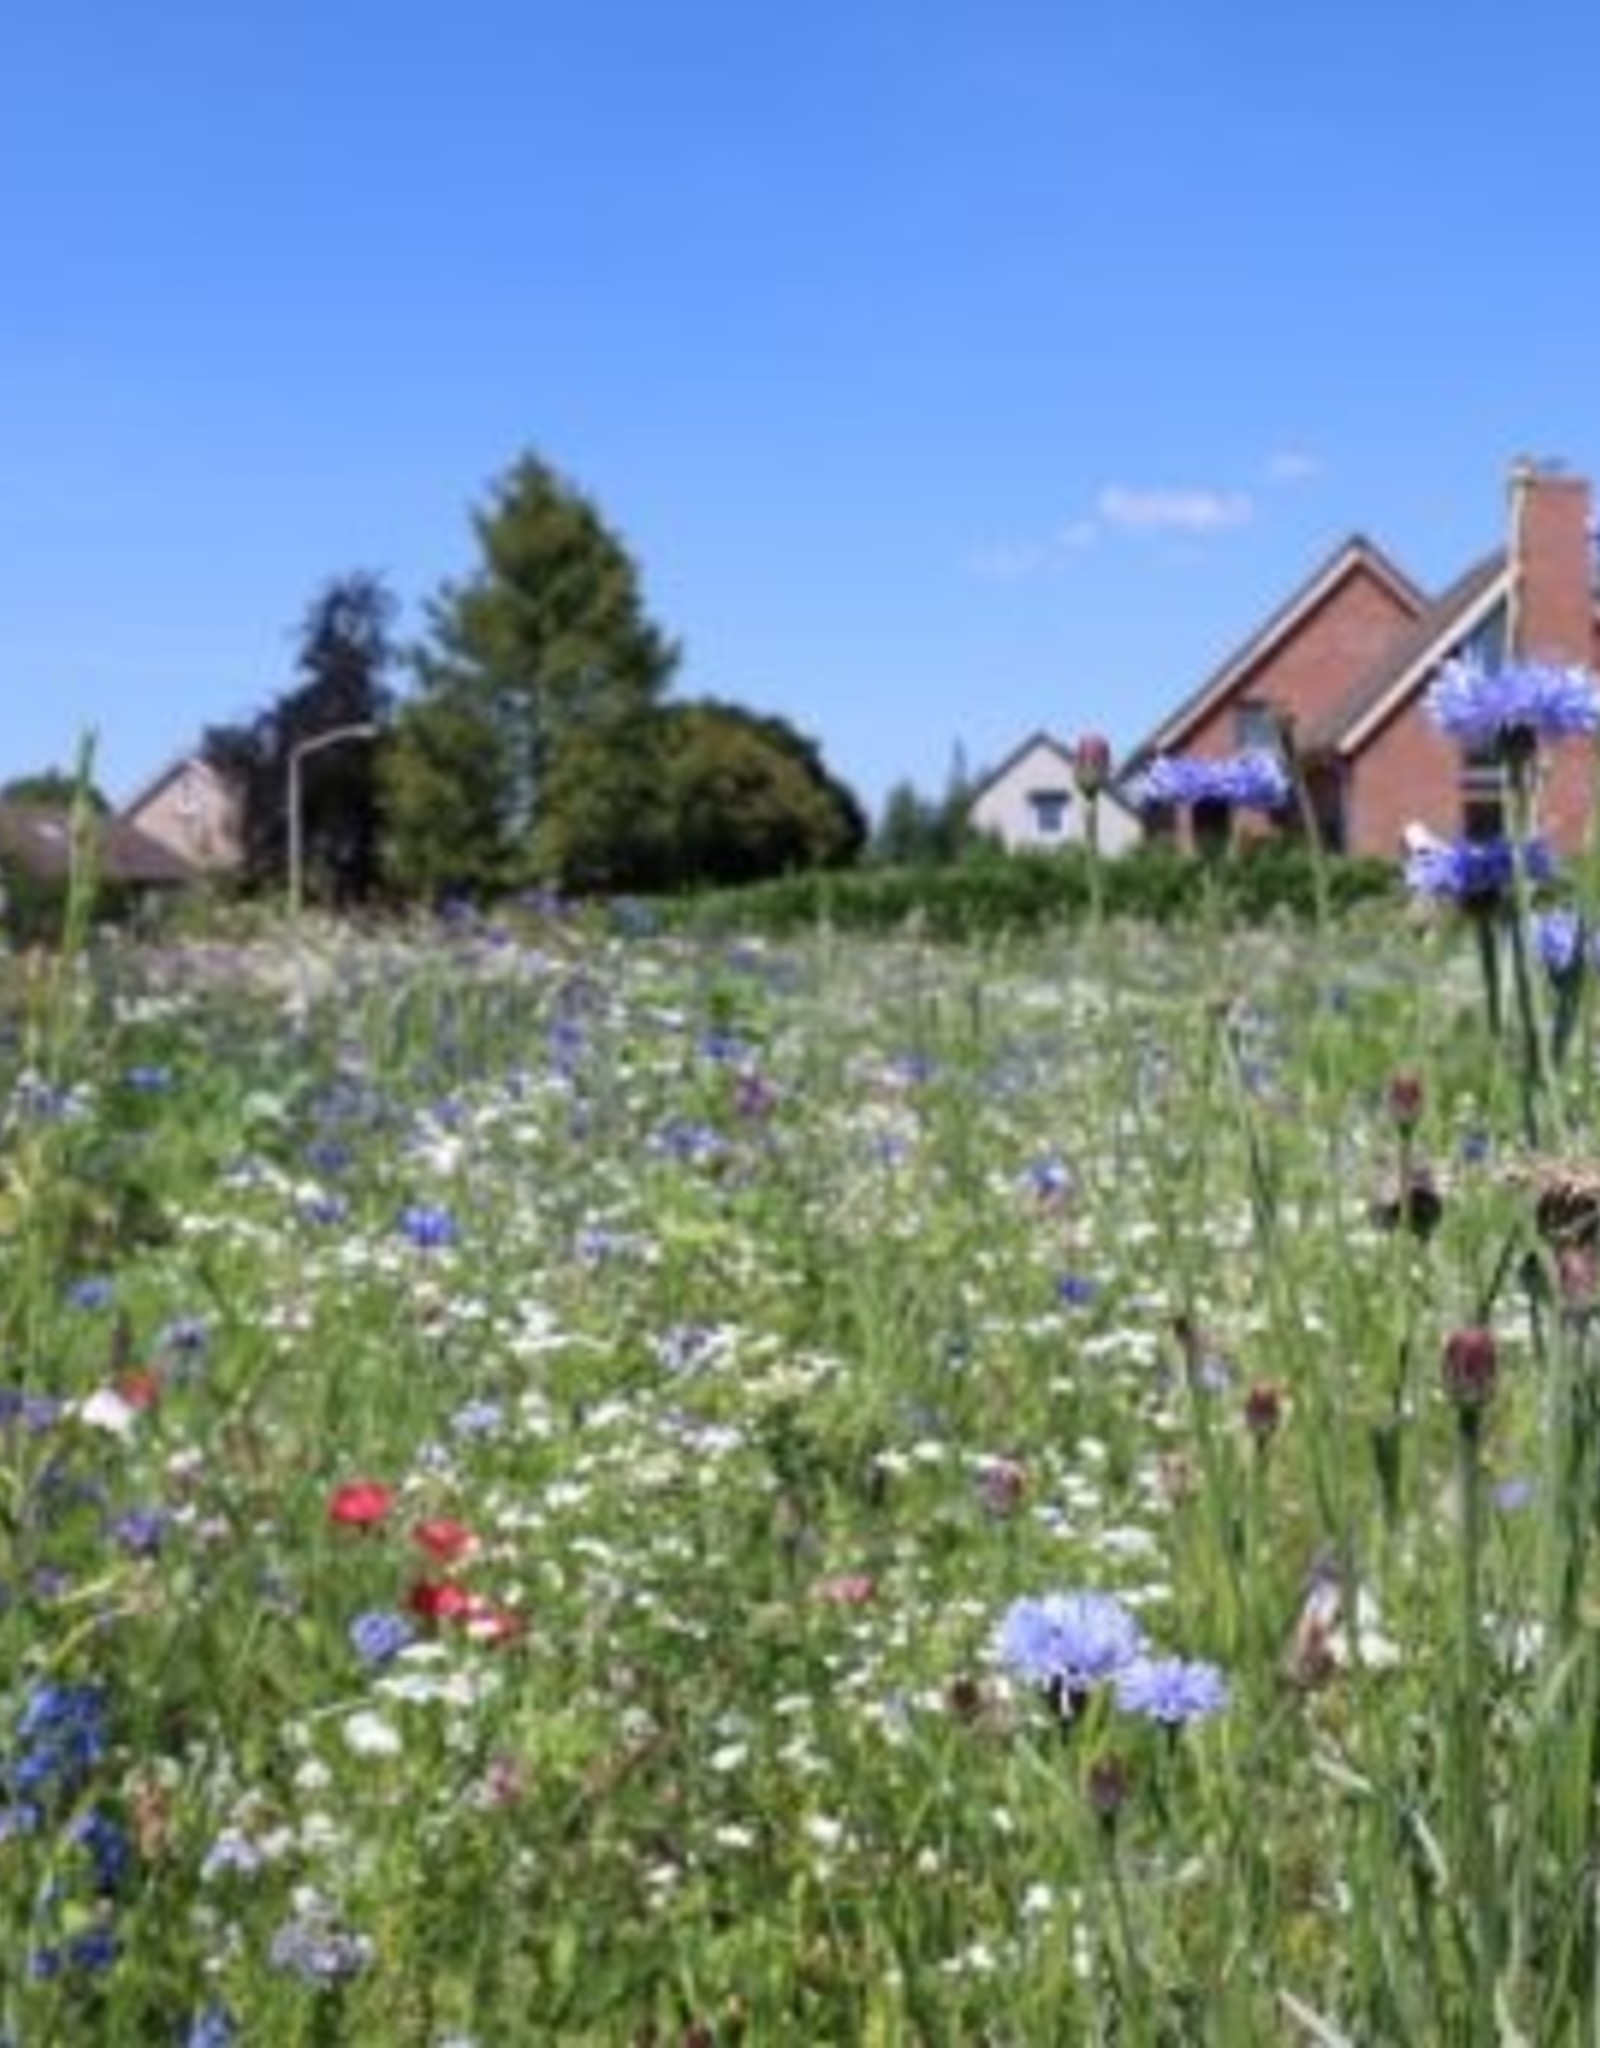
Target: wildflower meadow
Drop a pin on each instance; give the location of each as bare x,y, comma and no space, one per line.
562,1480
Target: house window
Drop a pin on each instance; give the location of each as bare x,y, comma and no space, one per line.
1049,808
1256,727
1482,808
1485,646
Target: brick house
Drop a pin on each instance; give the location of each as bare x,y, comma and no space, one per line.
1349,655
1031,803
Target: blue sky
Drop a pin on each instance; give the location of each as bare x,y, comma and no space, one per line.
952,370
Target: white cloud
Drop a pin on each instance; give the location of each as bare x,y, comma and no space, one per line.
1167,509
1016,561
1292,466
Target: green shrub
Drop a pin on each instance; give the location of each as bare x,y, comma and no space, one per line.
992,893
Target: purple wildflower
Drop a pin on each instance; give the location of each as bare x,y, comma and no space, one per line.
380,1636
1254,781
214,2027
1513,707
139,1531
427,1227
1068,1641
1171,1690
1558,941
1475,872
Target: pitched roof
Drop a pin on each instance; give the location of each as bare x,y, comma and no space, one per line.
1063,753
1041,738
170,773
39,838
1415,653
1356,552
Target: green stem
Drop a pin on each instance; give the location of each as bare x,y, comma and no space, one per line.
1474,1826
1538,1089
1091,834
1485,928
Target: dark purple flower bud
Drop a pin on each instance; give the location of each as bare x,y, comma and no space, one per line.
1263,1411
1110,1782
1471,1366
1091,764
1405,1101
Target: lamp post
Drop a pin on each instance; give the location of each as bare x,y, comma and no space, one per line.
296,847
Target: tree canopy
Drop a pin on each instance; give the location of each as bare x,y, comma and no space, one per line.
345,657
55,788
534,676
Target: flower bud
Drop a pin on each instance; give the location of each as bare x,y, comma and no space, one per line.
1471,1366
1092,764
1405,1101
1263,1411
1110,1782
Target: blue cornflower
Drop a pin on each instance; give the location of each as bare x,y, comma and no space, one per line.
1558,941
1068,1641
379,1636
681,1138
1075,1291
95,1949
327,1210
478,1418
1512,708
215,2027
96,1292
149,1080
106,1844
51,1709
1253,781
1049,1179
428,1227
139,1531
1171,1690
36,1412
186,1335
1475,872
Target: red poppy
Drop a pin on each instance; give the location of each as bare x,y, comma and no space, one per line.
474,1613
360,1505
439,1600
140,1388
445,1540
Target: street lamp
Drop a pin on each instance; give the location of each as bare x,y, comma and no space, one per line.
296,756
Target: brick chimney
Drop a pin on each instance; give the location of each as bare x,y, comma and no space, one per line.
1553,593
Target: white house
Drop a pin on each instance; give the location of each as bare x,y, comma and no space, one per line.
1032,803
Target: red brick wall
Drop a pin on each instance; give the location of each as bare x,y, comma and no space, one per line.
1410,771
1319,663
